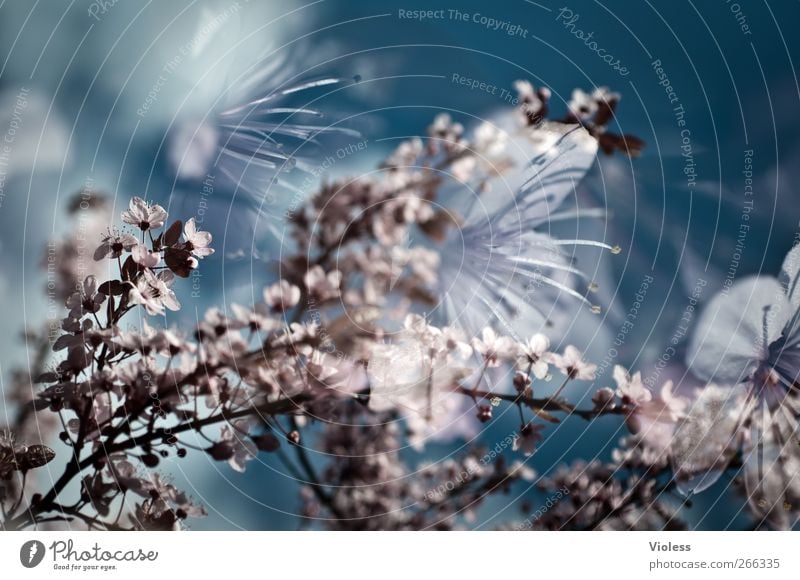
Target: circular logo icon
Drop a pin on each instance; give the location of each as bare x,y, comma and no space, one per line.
31,553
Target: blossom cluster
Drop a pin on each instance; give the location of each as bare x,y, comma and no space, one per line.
335,355
248,380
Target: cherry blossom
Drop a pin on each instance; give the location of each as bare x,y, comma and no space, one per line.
528,438
571,363
144,215
534,353
114,245
282,296
197,242
321,285
494,349
154,292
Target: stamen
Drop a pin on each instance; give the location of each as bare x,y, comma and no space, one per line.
764,327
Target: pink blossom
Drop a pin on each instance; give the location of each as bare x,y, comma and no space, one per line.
494,349
282,296
143,215
535,354
198,243
571,363
528,438
322,286
144,257
154,292
114,245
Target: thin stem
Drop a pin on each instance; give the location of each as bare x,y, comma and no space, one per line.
313,480
17,503
75,467
548,404
561,388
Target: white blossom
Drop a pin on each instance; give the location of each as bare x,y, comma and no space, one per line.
144,215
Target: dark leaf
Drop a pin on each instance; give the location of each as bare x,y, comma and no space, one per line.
110,307
157,243
62,342
605,112
267,442
102,251
363,396
179,261
111,288
129,269
221,451
48,377
173,234
541,413
35,456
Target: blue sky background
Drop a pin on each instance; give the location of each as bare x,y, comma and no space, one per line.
738,87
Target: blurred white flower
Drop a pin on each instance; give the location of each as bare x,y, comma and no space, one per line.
571,363
490,141
234,445
631,389
144,257
582,105
504,245
417,374
322,286
494,349
282,295
528,438
535,354
198,243
747,341
265,128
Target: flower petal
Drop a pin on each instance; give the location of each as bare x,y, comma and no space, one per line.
736,328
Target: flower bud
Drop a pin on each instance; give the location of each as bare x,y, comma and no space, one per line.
268,442
521,381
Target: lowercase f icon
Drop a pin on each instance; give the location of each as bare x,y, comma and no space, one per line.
31,553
